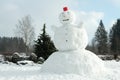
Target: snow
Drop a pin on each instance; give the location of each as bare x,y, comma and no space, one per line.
17,72
25,62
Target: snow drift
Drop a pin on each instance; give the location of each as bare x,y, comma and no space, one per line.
80,62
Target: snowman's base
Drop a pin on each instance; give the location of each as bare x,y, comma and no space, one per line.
82,62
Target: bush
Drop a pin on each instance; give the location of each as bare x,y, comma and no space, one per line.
15,57
33,57
8,58
40,60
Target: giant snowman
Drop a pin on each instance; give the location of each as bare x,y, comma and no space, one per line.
72,57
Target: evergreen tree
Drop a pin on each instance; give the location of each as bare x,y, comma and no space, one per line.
44,47
114,37
101,38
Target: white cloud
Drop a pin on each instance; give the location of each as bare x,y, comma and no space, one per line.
112,23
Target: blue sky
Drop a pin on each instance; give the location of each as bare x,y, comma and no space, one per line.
47,11
110,8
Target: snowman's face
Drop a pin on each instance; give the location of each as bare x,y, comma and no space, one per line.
66,17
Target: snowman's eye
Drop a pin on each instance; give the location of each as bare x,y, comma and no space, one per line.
68,13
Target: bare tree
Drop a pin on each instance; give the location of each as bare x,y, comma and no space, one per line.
25,29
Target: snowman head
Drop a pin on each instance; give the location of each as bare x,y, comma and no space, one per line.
67,16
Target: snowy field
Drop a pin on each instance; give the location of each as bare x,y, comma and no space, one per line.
32,72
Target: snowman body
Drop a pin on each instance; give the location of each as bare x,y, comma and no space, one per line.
70,37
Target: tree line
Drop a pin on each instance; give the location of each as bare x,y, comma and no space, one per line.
106,43
12,44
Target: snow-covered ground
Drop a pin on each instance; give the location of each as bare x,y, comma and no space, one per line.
32,72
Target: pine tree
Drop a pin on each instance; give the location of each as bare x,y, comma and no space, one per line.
114,37
101,38
44,47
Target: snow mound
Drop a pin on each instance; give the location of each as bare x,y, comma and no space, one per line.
80,62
